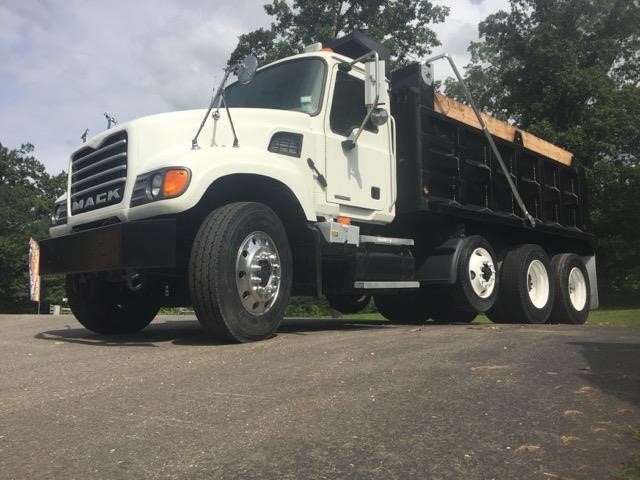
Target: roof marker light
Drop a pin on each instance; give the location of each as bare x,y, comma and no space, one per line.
314,47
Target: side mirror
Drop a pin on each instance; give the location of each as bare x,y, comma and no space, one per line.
374,83
247,69
375,94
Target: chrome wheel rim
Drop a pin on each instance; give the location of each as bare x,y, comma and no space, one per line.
258,273
577,289
482,273
538,284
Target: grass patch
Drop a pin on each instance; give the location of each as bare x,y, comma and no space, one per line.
627,318
319,309
632,472
629,473
364,316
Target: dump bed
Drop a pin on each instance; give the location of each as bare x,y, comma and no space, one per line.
445,164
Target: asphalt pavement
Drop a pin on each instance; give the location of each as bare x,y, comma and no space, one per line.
324,399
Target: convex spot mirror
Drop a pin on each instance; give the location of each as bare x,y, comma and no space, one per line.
247,69
379,117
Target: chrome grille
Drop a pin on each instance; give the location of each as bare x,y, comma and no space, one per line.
98,176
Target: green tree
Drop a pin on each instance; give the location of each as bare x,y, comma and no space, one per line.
401,25
27,193
568,71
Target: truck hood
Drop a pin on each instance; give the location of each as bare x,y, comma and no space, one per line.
157,139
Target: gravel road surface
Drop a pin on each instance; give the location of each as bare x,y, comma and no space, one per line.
324,399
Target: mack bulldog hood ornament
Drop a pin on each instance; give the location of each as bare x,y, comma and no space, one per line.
111,120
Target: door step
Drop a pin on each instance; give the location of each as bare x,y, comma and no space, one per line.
375,285
395,242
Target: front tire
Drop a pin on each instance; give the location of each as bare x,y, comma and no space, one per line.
526,287
109,307
240,272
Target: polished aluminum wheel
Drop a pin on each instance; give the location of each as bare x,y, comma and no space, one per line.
258,273
482,272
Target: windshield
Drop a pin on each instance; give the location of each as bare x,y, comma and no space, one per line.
295,85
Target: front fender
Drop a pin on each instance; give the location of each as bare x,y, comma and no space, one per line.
206,169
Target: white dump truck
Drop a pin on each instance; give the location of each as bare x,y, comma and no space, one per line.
323,174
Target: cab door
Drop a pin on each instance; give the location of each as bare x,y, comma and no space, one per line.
360,177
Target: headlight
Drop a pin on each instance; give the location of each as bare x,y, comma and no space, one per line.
160,184
59,214
155,186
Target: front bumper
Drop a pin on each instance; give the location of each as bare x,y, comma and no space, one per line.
142,244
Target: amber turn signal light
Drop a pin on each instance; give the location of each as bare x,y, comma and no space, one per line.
176,181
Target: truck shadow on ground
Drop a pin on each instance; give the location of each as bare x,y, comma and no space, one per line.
179,332
189,333
613,368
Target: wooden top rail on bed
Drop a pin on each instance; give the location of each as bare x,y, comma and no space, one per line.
462,113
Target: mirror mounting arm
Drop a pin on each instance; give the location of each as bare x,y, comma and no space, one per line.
346,66
245,71
233,129
350,143
218,93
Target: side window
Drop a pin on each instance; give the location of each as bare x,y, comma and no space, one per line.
347,107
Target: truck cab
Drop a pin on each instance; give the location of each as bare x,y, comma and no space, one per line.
295,109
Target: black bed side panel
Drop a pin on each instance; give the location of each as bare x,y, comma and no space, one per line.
448,166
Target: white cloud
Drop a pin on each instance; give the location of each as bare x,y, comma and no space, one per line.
65,62
461,28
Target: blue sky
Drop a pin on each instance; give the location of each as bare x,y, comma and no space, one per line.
65,62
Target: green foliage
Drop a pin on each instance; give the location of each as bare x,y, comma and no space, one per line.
318,307
568,71
628,473
27,193
616,220
308,307
401,25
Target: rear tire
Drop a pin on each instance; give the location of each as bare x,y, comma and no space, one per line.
476,288
572,292
348,303
240,272
403,308
107,307
527,287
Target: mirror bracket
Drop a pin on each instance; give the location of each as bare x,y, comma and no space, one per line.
348,144
245,70
372,56
351,143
